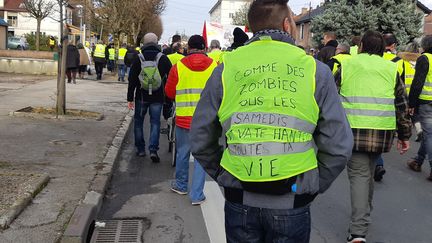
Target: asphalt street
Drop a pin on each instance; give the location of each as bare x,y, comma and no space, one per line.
140,190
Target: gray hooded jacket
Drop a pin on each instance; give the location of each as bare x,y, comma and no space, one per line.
333,137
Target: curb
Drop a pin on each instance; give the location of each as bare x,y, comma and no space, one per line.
21,203
86,212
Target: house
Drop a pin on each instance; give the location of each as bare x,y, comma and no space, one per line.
223,11
303,23
20,22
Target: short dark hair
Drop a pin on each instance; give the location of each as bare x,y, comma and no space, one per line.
389,39
176,38
268,14
177,47
356,40
426,43
330,34
373,43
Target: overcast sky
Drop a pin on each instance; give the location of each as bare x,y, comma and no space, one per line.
189,16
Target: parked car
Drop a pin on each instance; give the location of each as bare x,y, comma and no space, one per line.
15,43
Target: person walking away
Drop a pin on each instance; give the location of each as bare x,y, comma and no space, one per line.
51,43
72,62
185,82
175,39
329,49
267,164
342,53
23,43
420,98
215,52
355,42
147,80
131,56
178,53
375,101
84,61
88,51
240,38
99,59
111,57
121,62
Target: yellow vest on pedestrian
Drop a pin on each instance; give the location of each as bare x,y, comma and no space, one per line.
216,56
354,50
268,111
99,51
122,53
111,52
189,87
367,92
339,58
175,58
409,75
51,42
400,63
426,93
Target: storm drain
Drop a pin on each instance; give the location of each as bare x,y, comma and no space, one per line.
118,231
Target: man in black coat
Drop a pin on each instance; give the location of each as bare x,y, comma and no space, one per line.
329,49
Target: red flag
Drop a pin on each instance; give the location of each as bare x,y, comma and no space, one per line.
204,35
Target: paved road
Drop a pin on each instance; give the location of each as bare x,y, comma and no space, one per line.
140,189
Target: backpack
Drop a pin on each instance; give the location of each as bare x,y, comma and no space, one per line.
150,78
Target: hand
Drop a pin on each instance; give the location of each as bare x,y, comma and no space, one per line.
411,111
403,146
131,105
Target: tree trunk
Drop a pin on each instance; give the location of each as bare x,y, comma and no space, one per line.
61,88
38,21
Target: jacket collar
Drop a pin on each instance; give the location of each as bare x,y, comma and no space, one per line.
276,35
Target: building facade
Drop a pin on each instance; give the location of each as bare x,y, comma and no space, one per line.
223,11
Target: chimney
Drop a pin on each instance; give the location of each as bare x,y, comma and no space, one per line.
304,10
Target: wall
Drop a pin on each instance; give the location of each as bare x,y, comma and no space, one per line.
27,54
3,37
232,7
28,66
306,42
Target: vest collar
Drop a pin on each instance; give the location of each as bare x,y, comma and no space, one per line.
276,35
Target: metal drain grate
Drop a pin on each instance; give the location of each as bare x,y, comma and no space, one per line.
118,231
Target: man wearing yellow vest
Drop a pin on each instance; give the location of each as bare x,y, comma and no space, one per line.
99,58
185,82
342,53
178,53
111,57
375,101
121,62
260,116
215,52
420,98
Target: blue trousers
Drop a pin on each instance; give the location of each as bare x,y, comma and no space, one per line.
155,110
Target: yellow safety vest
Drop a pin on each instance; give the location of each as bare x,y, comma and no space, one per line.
354,50
175,58
269,111
426,93
51,42
400,63
138,49
189,87
122,53
409,75
339,58
99,51
111,52
367,92
216,56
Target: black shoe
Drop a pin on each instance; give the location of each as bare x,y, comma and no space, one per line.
356,239
379,173
154,157
141,154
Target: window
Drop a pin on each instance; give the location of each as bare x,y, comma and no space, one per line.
301,31
12,21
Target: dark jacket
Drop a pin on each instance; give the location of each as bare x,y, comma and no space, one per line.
332,136
328,51
240,38
130,57
73,57
134,88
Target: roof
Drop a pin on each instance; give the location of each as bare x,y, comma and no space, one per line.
3,23
307,17
215,6
423,7
14,5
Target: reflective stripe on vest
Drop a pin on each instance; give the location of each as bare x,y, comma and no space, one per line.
409,75
99,51
268,111
111,52
122,53
339,58
426,93
175,58
189,87
367,92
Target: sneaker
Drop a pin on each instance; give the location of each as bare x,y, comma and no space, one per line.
154,157
141,154
379,172
175,189
356,239
197,203
413,165
118,79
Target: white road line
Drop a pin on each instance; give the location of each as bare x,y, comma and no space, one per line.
213,212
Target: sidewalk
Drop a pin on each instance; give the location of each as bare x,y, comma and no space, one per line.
67,150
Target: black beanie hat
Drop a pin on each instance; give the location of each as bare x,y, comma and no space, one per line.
196,42
240,36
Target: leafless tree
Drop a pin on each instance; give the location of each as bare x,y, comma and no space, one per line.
39,9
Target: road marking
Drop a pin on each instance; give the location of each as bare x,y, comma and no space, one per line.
213,212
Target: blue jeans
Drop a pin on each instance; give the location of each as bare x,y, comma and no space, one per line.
257,225
155,110
121,70
379,161
425,114
183,146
